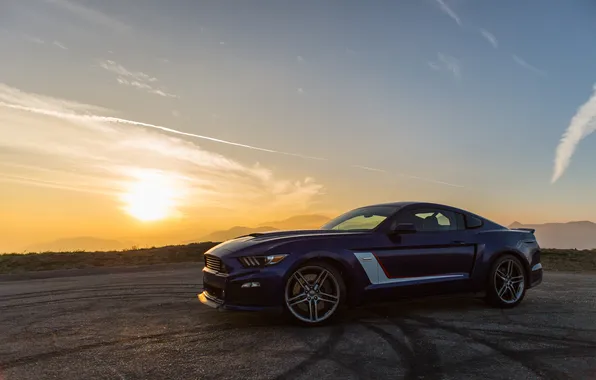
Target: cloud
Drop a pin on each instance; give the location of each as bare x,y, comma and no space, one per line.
13,97
89,14
447,63
300,58
66,146
39,41
490,38
60,45
582,124
300,90
71,112
114,120
369,168
449,12
526,65
136,79
147,87
122,71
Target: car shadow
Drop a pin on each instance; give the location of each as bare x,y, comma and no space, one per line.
402,308
381,310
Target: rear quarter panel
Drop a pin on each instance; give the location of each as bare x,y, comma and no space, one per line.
494,243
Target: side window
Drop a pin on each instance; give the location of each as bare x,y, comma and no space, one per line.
429,220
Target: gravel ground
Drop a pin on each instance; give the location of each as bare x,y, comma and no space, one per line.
150,325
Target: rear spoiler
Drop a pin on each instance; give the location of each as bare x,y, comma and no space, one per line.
530,230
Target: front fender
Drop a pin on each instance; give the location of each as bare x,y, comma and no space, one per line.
346,262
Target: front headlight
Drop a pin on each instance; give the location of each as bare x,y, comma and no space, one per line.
261,261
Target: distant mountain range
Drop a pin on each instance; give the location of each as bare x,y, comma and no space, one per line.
89,243
79,243
297,222
579,235
233,232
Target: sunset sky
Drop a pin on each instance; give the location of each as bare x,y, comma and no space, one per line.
158,122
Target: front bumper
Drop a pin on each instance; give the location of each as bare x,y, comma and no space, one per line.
225,292
208,300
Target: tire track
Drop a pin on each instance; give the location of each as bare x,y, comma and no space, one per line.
426,358
537,338
120,296
527,358
340,358
153,338
322,352
93,289
419,354
420,357
524,358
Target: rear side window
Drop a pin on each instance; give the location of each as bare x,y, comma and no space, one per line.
473,222
432,220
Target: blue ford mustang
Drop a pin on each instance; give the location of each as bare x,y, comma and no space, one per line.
373,253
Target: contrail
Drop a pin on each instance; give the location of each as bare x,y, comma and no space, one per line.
450,12
434,181
109,119
407,176
582,124
53,184
369,168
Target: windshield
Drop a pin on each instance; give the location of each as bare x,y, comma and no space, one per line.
361,219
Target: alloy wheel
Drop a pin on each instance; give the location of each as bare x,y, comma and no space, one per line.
509,281
312,294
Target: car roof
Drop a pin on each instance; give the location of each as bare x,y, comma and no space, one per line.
399,205
421,204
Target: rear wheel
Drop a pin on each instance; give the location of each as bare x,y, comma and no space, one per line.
507,282
314,293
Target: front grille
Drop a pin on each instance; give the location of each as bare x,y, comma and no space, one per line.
214,263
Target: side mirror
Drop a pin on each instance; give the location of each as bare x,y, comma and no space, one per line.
404,228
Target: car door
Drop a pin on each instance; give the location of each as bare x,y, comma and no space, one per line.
439,250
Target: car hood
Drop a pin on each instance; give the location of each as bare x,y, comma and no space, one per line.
267,240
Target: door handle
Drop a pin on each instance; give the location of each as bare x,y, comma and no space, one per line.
459,242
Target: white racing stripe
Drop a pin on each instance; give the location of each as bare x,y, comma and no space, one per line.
376,274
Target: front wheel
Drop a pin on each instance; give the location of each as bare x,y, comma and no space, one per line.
314,293
507,282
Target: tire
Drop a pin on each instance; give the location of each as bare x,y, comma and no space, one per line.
507,282
306,296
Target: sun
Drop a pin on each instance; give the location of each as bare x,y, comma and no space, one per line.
152,197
